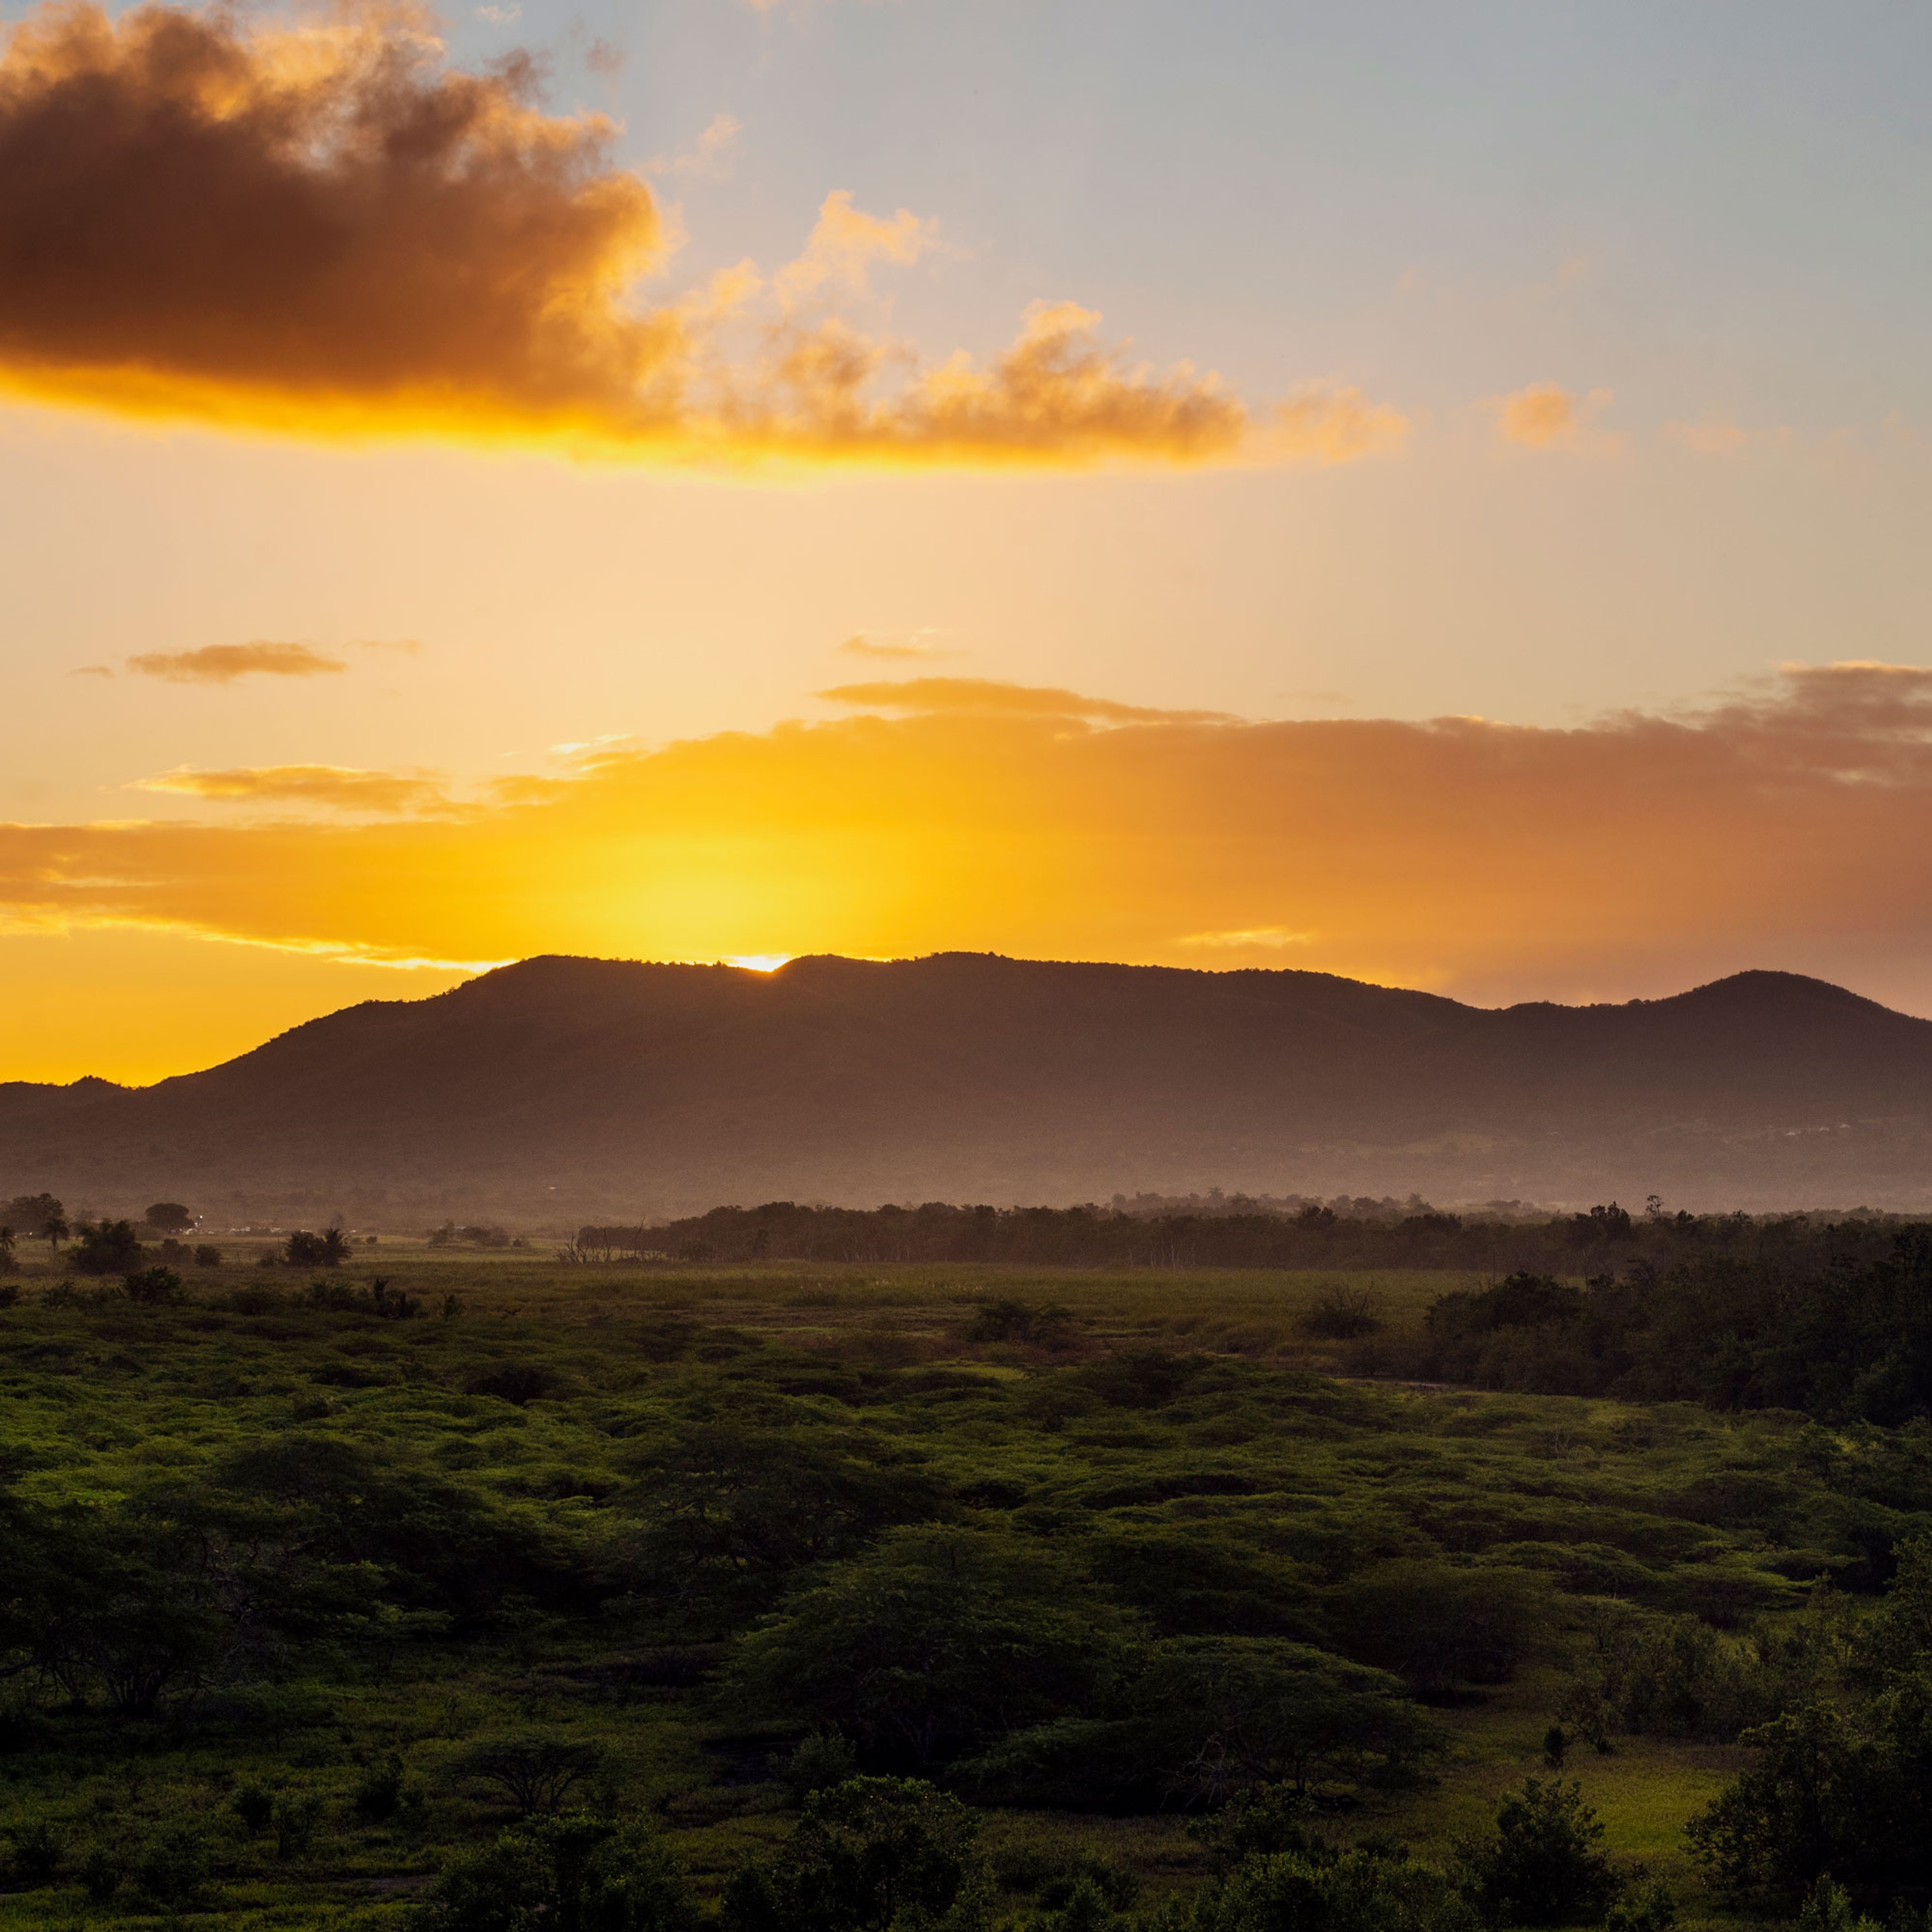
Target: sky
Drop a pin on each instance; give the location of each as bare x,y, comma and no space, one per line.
1433,493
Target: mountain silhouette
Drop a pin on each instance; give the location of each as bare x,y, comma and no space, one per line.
560,1089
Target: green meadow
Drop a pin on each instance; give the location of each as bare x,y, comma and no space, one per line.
314,1591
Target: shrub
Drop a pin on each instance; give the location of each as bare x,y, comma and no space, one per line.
1008,1320
518,1382
207,1254
38,1851
819,1762
1543,1866
582,1872
1652,1909
1828,1908
155,1287
871,1853
379,1793
171,1868
255,1806
1440,1627
1342,1315
100,1871
933,1641
1357,1891
305,1248
295,1818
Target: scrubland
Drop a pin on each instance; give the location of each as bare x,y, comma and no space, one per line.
313,1593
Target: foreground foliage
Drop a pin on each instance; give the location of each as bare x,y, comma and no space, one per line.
616,1614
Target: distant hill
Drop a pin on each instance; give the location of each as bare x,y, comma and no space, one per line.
559,1090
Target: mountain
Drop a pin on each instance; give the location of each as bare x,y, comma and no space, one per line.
559,1089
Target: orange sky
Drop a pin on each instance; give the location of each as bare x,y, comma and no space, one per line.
1638,854
839,482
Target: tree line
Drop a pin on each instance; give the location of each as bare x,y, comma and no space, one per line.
1608,1236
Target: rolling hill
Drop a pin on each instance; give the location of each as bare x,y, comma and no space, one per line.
562,1089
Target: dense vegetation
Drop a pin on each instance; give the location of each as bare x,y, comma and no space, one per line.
492,1592
1218,1232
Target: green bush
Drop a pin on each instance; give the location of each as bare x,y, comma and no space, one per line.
38,1849
1358,1892
1442,1627
871,1853
1542,1865
579,1873
171,1868
934,1641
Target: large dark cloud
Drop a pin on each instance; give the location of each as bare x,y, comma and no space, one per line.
324,229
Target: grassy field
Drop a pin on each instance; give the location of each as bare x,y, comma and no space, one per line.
104,1403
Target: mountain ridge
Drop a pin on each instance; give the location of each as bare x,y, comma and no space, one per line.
559,1087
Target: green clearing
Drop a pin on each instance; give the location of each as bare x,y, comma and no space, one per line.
526,1537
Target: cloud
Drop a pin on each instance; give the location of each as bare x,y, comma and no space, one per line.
223,664
1546,416
1708,436
1268,937
711,157
322,229
846,241
337,787
1788,824
919,646
936,694
92,670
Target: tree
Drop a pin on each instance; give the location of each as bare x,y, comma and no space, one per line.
107,1247
936,1641
871,1853
1357,1891
536,1774
170,1217
732,1508
39,1215
1543,1866
306,1249
580,1873
1440,1627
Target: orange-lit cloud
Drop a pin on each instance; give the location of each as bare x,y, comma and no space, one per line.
223,664
1787,827
1547,416
337,787
931,695
322,229
919,647
1708,436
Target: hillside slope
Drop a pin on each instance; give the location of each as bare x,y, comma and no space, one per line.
559,1088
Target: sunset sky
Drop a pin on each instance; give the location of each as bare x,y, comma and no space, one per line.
1434,494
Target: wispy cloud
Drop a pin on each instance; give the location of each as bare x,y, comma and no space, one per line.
1787,824
936,694
223,664
710,158
1708,436
1545,415
324,229
336,787
921,646
1268,938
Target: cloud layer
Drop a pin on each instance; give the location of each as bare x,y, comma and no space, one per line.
1790,826
323,229
334,787
223,664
